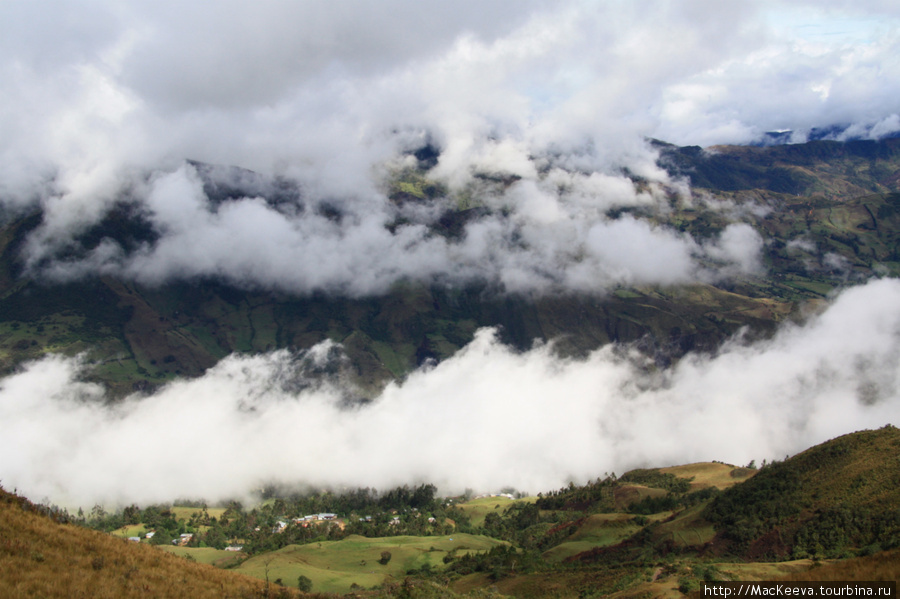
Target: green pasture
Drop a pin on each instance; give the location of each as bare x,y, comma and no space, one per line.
133,530
598,530
688,528
207,555
333,566
477,509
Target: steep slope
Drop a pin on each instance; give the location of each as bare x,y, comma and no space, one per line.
41,557
837,499
833,499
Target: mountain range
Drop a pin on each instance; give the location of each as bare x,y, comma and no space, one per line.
828,215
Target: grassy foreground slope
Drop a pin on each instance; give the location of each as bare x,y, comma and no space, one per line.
40,557
882,566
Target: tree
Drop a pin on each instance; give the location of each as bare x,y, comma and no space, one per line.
493,523
215,538
385,558
132,514
267,562
161,536
304,583
98,513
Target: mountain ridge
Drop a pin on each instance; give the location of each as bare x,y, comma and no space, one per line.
141,336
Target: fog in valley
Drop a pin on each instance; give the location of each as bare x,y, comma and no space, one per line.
487,418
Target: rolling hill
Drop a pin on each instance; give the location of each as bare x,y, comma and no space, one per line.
829,501
835,501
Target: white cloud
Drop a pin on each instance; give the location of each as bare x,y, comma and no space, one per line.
545,234
485,418
103,99
738,245
93,92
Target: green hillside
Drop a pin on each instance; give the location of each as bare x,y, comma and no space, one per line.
139,337
833,500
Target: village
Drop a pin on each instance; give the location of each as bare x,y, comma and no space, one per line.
277,522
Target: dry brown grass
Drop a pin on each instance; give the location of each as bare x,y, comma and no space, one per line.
710,474
40,557
625,495
879,567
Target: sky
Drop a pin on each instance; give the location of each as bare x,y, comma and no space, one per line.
93,89
105,100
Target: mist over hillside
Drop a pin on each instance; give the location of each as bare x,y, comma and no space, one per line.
548,234
282,243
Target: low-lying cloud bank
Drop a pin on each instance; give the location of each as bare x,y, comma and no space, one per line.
485,418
